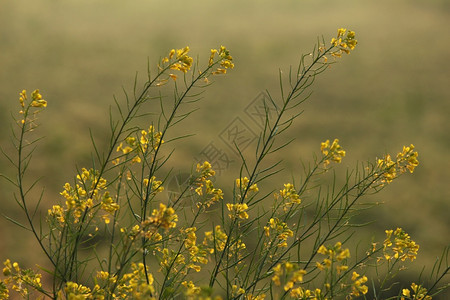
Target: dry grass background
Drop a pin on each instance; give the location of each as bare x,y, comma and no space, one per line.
393,90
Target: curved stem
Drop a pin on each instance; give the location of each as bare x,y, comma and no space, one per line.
299,85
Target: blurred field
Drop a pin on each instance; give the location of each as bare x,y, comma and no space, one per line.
393,90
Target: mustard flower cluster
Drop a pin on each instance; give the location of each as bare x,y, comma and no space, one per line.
197,252
191,289
156,185
334,152
172,260
192,292
149,232
146,142
237,249
205,171
204,186
37,101
336,257
181,61
237,290
134,232
419,293
344,42
134,285
358,286
81,198
279,230
409,157
405,161
291,274
163,217
150,138
399,245
250,296
242,186
138,284
336,260
18,280
215,239
306,294
76,291
237,210
226,60
288,196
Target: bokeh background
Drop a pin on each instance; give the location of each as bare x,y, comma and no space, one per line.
393,90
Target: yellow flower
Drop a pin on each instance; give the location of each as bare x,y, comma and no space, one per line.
341,268
182,52
405,160
281,230
322,250
358,286
191,289
164,217
58,213
37,99
102,275
320,266
172,52
23,98
242,183
218,237
225,61
343,43
277,273
401,247
341,32
343,255
289,195
39,103
409,157
406,292
296,277
183,61
254,188
211,58
236,290
205,170
333,152
237,210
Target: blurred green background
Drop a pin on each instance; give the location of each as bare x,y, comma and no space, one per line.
393,90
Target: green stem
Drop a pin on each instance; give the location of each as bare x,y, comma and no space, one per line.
305,75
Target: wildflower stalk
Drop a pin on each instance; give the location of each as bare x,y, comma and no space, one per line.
310,230
114,140
22,165
274,263
178,252
262,262
168,124
304,78
152,163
